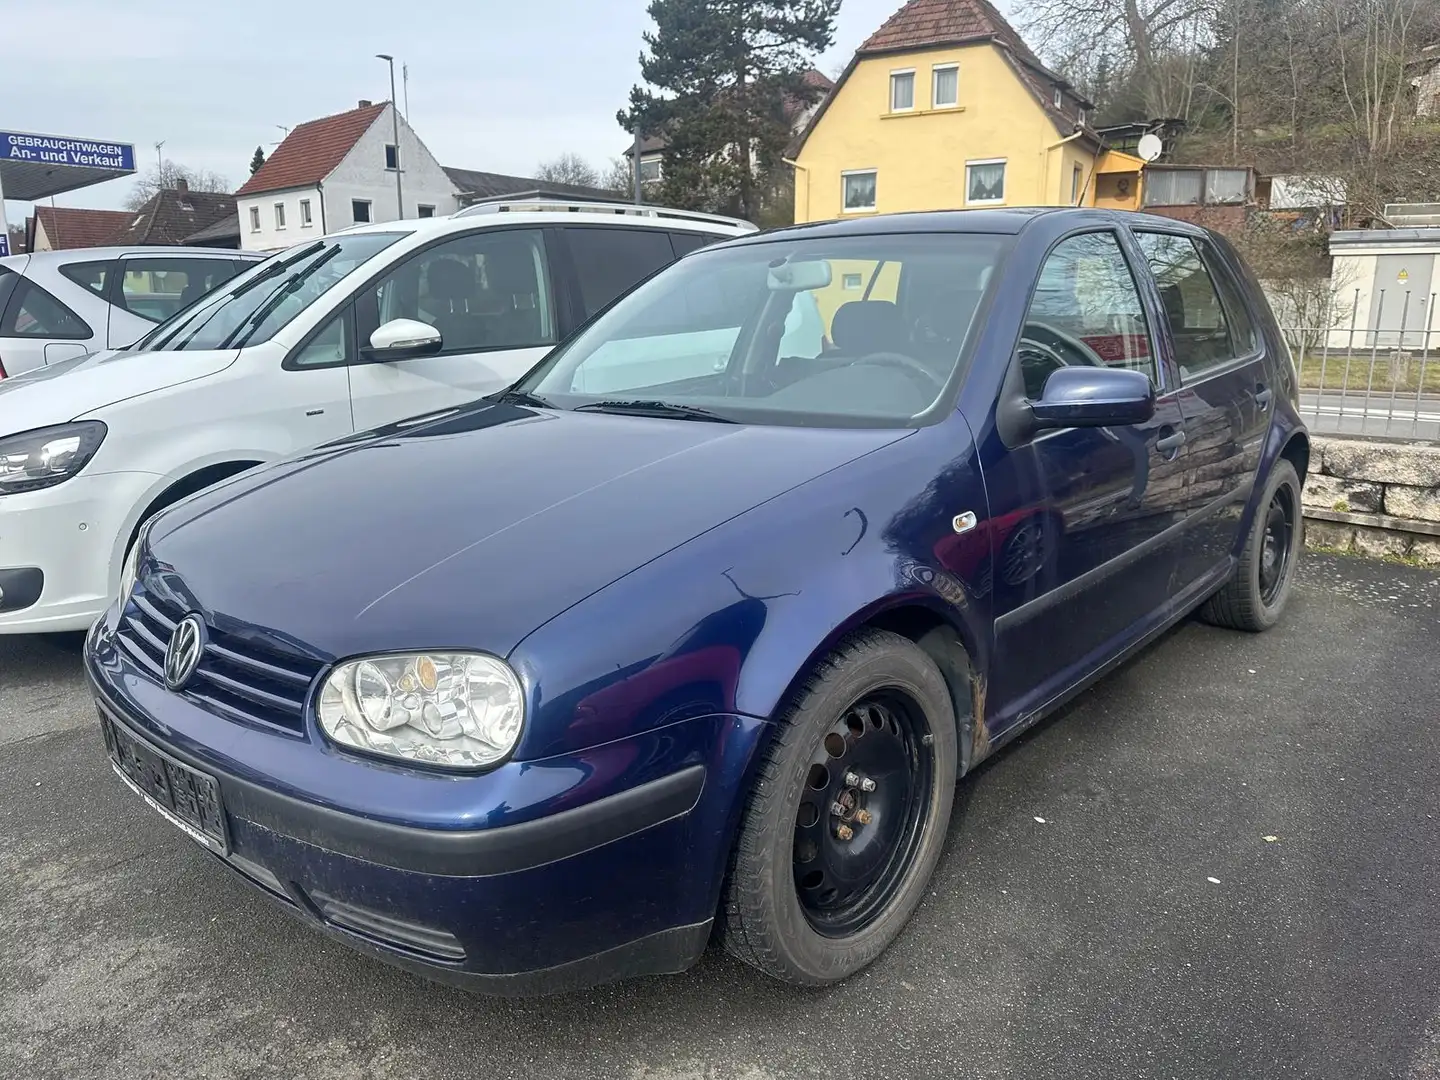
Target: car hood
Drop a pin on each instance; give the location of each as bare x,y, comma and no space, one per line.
473,531
40,397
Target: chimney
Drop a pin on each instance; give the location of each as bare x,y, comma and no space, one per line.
364,104
182,184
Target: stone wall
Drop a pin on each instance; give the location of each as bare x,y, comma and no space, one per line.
1374,497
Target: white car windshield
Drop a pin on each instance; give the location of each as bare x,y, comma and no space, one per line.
847,330
254,306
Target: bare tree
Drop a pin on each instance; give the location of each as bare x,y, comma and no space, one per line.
619,177
1142,38
167,176
568,168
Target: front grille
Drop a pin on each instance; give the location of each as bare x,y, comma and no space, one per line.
239,678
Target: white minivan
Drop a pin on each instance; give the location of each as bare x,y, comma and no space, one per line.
340,334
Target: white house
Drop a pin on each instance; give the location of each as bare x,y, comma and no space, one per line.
339,171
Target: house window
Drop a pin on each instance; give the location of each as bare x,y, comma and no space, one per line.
851,282
425,211
392,156
1059,98
946,81
902,91
1080,115
1077,178
859,191
279,215
650,170
305,220
254,219
985,182
359,210
1226,185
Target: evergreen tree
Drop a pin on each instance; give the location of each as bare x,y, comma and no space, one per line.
257,161
723,77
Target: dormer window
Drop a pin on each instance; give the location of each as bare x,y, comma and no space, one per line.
1080,115
1059,98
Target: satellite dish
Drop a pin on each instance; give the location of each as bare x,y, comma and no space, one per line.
1149,147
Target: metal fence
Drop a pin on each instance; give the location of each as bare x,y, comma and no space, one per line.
1372,373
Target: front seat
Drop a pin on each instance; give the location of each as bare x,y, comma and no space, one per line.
449,289
864,327
510,288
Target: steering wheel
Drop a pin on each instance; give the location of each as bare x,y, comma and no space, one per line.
1064,348
933,382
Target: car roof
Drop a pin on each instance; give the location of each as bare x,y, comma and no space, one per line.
998,220
65,256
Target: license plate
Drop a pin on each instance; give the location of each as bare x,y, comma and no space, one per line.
183,796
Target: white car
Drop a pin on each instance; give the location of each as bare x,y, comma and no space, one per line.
340,334
57,305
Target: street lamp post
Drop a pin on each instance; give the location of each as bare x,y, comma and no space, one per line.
395,121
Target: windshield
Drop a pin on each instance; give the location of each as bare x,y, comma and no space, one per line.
254,306
846,330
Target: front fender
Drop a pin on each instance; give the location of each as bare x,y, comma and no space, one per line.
728,622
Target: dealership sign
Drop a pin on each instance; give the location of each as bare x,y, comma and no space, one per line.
57,150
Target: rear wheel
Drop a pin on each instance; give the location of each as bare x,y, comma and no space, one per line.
1254,597
848,815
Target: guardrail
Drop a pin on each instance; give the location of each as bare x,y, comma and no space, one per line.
1377,374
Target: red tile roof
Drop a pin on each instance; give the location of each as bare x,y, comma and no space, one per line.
927,24
68,227
923,23
311,151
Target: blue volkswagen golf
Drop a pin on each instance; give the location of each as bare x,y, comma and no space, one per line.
695,629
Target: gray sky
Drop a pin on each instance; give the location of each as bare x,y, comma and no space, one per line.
498,86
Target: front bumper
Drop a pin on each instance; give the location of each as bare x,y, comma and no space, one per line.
69,533
621,884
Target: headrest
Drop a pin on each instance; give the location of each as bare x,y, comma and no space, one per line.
863,327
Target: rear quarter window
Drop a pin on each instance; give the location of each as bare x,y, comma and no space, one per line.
31,312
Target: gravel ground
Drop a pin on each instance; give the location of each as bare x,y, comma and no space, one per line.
1146,927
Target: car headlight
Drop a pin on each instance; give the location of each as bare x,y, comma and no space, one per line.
47,456
457,710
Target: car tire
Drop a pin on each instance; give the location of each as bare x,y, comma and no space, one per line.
1254,597
789,873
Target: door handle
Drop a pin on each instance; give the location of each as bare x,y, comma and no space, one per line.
1263,396
1168,443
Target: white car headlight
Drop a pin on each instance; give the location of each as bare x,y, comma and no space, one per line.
457,710
47,456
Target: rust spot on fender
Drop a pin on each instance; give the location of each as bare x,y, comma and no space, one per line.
979,732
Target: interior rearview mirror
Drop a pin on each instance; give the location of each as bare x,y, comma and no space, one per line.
799,276
402,339
1093,397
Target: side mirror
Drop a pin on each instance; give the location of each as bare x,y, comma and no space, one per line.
1093,397
402,339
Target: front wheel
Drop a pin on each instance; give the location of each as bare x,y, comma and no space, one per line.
1254,597
848,815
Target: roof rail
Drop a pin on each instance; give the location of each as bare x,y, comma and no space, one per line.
522,206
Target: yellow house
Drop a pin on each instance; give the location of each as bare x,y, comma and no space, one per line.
945,107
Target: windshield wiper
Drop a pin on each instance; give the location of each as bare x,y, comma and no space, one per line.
278,265
666,409
242,335
521,397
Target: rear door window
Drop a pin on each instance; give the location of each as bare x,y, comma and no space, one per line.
686,242
611,261
35,313
1198,324
157,288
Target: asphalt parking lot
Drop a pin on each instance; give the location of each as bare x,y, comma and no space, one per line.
1146,927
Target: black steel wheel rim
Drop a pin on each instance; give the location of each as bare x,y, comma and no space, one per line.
1276,544
863,812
